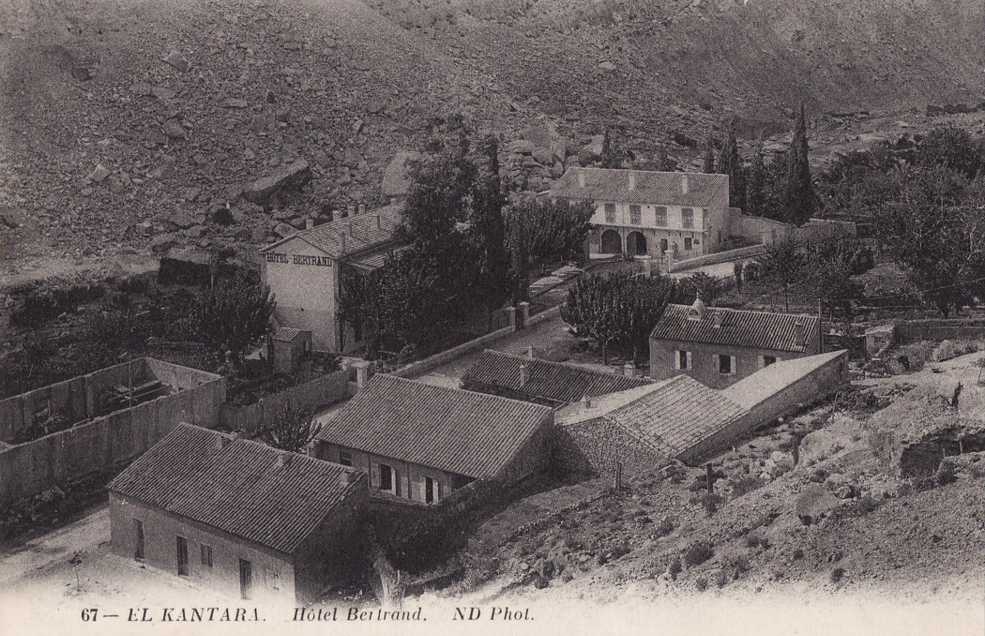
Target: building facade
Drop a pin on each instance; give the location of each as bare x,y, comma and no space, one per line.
646,213
420,442
719,346
238,517
305,272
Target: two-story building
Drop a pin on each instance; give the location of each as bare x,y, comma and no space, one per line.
305,272
646,213
421,442
720,346
238,517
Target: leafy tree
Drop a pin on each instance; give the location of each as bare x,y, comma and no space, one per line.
618,309
829,271
799,198
519,252
232,315
551,231
293,429
782,265
935,231
952,147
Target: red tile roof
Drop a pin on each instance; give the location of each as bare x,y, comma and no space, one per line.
740,328
248,489
677,415
658,188
461,432
554,381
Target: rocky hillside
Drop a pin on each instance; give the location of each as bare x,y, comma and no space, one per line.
131,125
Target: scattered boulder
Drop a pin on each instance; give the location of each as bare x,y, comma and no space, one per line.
142,89
396,176
163,242
177,60
543,156
235,102
522,147
182,220
163,94
99,174
174,130
291,176
607,66
81,73
818,446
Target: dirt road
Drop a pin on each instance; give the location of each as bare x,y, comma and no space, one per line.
24,560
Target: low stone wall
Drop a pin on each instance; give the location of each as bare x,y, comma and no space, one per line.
939,329
419,368
256,417
718,257
104,443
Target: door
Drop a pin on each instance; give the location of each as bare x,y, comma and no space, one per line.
182,556
386,478
428,490
138,532
245,579
663,246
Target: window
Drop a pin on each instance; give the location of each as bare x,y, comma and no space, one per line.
726,365
767,360
430,490
687,217
182,545
387,478
245,579
687,243
138,537
610,212
682,360
345,458
207,555
273,578
660,214
635,215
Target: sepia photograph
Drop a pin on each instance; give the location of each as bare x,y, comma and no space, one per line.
492,317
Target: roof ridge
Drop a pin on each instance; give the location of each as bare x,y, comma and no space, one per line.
453,390
749,311
688,172
566,365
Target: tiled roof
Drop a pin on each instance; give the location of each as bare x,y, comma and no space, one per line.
238,486
286,334
772,379
740,328
659,188
351,234
461,432
677,415
554,381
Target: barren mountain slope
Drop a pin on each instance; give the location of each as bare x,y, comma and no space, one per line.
182,102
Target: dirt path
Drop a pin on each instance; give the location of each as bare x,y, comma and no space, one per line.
21,562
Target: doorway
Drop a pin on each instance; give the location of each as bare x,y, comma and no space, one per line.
138,532
611,242
182,556
245,579
429,490
636,244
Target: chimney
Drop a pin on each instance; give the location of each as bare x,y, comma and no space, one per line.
685,186
800,333
586,401
309,223
362,208
283,459
581,178
344,478
717,318
524,374
632,180
629,369
530,352
221,441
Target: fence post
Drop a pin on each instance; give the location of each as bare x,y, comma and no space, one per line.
524,313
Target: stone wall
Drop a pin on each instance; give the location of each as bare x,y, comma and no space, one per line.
257,417
596,446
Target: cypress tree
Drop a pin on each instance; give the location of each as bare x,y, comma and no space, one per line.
799,199
729,163
709,163
610,157
756,184
490,228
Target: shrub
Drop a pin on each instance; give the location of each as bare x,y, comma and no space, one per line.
710,502
837,574
701,583
664,528
722,578
754,540
675,567
698,553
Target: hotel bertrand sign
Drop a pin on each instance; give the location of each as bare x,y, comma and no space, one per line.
298,259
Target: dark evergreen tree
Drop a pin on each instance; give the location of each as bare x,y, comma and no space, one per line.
611,156
756,184
730,164
709,162
490,230
799,199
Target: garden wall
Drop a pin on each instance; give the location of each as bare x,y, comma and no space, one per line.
939,329
78,398
109,441
718,257
259,416
419,368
